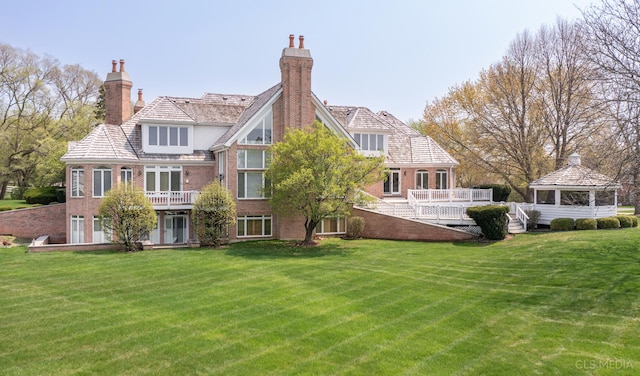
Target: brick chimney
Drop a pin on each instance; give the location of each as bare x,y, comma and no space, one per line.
139,103
117,95
295,68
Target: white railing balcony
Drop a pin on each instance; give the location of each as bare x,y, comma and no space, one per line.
172,199
449,195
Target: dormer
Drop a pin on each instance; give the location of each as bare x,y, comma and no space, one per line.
158,138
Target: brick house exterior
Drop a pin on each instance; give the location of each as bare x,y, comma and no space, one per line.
172,147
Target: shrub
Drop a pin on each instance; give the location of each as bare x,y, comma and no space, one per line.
501,192
18,193
355,226
492,219
626,221
609,222
5,208
562,224
534,218
634,221
61,195
43,195
586,224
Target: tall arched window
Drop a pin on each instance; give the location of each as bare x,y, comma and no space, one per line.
422,179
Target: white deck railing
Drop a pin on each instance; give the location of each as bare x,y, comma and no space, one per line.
169,199
449,195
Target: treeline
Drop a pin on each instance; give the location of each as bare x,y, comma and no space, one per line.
569,87
43,104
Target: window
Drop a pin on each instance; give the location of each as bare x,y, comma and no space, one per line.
77,182
422,180
546,197
221,170
167,139
163,178
101,181
77,229
126,175
99,234
370,142
605,198
251,180
575,198
441,179
332,226
254,226
261,133
392,183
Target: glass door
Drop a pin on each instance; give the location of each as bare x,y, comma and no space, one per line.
175,229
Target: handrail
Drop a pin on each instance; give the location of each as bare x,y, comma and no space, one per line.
521,216
449,195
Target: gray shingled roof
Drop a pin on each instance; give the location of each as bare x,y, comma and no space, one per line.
106,142
575,176
405,144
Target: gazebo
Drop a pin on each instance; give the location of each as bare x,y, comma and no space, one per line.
574,191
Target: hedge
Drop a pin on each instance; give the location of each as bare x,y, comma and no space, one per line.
492,219
626,221
562,224
609,222
501,192
43,195
586,224
355,226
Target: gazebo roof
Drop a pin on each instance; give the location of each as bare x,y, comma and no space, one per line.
575,176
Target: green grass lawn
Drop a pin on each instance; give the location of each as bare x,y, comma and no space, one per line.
541,303
14,203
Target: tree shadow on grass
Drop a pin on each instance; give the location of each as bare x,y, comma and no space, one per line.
283,249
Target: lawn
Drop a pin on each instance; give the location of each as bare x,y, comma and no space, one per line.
541,303
13,204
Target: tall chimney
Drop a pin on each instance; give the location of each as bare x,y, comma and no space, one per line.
295,69
139,103
117,95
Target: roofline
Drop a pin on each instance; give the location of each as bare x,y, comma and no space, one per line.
255,116
336,124
574,187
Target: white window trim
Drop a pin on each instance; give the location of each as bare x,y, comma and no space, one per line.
341,221
102,170
157,170
168,149
261,122
77,237
75,177
243,219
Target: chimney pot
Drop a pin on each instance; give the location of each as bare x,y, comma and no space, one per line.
291,37
139,94
113,65
325,102
301,41
121,65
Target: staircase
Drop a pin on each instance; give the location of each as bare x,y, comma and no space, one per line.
515,226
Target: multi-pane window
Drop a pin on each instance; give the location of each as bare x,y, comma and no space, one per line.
101,181
370,141
168,136
77,229
422,180
99,233
546,197
77,182
332,226
261,134
126,175
254,225
441,179
163,178
251,166
392,183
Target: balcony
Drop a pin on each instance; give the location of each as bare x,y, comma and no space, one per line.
172,200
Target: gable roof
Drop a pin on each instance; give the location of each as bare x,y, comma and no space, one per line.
405,144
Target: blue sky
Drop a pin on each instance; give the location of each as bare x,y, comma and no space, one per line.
385,55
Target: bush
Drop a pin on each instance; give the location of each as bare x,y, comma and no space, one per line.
355,226
43,195
609,222
492,219
562,224
18,193
501,192
634,221
586,224
534,218
5,208
626,221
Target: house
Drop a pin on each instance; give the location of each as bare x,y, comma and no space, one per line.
172,147
574,191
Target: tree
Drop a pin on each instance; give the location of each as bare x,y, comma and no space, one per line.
317,174
41,104
127,214
612,29
213,211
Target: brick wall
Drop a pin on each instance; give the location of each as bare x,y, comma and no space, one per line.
33,222
380,226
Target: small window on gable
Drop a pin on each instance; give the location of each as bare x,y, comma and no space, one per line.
261,134
370,141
